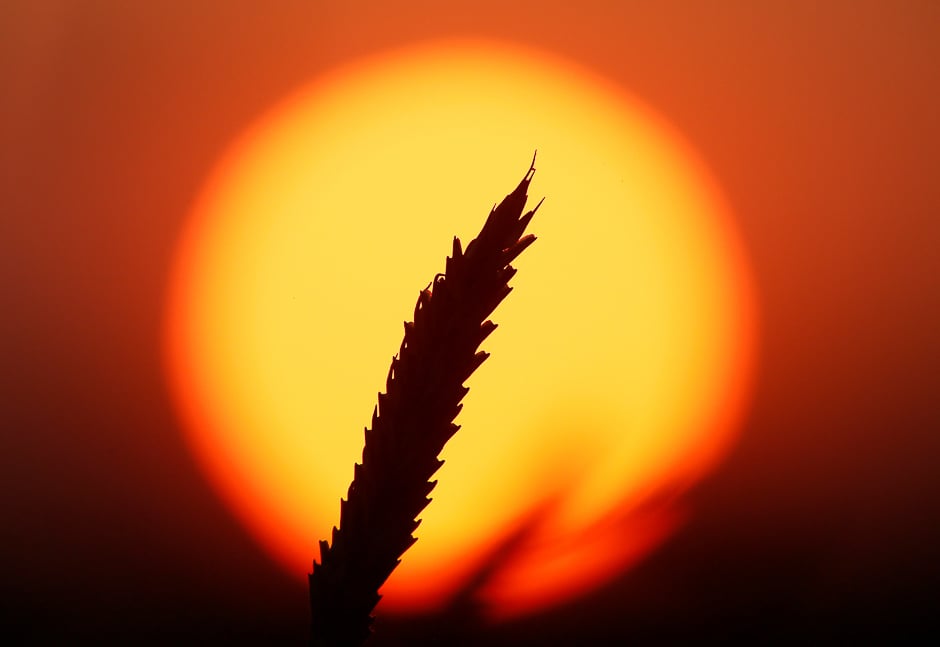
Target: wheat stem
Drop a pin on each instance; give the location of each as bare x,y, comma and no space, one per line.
412,422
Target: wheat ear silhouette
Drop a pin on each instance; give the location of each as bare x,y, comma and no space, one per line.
412,422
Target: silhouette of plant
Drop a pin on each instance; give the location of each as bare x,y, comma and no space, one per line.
412,422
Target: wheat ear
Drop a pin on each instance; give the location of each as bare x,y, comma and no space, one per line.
413,420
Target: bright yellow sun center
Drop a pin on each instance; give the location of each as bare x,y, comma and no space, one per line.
621,360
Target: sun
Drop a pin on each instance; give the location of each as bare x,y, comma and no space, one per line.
622,360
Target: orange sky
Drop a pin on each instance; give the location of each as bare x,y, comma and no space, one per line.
819,122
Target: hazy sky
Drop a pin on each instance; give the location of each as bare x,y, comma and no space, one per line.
817,119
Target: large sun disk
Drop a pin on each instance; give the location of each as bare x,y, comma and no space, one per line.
621,362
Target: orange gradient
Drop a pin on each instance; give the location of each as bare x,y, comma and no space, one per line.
618,372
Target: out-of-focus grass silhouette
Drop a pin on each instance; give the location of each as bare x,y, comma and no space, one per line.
413,421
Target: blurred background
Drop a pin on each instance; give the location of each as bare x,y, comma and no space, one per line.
819,120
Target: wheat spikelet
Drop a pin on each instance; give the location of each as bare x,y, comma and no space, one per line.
412,422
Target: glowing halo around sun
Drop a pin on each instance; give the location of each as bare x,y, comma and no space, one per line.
622,360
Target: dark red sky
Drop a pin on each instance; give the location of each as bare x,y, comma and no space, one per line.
818,119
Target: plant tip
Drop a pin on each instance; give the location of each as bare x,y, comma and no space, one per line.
531,171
